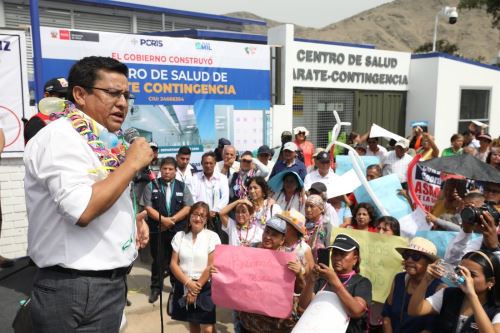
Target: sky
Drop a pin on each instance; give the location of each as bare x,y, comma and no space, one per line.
309,13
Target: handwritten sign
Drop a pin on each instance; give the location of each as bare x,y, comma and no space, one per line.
380,262
386,189
253,280
324,312
427,184
343,163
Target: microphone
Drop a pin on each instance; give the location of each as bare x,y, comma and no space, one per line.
130,135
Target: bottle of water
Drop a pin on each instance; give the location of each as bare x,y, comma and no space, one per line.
450,276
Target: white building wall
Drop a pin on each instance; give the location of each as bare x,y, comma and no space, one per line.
13,239
435,90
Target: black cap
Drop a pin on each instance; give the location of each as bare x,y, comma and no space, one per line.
318,187
345,243
323,157
56,85
264,149
224,142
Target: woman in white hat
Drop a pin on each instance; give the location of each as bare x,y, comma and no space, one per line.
305,146
417,256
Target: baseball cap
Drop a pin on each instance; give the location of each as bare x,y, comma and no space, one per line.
264,149
484,137
403,143
56,85
290,146
300,129
323,157
345,243
277,224
153,145
318,187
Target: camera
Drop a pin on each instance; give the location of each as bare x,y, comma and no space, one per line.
453,19
451,13
472,215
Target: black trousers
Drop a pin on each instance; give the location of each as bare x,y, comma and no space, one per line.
163,257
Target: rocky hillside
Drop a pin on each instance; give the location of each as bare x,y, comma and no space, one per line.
404,25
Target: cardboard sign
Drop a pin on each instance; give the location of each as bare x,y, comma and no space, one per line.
324,312
380,262
386,189
253,280
343,163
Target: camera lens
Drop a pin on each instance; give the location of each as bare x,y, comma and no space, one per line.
468,215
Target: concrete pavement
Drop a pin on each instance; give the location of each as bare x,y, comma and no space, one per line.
143,317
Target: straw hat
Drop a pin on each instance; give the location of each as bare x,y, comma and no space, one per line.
421,245
295,219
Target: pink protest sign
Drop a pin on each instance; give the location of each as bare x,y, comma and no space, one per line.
253,280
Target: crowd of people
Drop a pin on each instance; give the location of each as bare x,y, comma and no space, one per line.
84,228
283,204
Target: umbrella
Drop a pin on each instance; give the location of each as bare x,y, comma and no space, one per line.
465,165
276,183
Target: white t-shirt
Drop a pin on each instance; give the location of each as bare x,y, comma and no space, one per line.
193,257
60,170
380,153
253,234
436,301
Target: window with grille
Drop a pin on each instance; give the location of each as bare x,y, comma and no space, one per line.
474,105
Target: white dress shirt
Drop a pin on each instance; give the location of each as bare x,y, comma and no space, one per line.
186,177
213,191
399,166
193,257
381,152
315,176
234,168
58,183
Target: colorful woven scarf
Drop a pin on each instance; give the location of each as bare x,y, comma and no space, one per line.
110,157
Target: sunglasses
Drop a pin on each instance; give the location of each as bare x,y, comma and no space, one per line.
415,256
246,161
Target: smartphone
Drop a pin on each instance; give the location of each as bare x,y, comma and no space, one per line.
324,256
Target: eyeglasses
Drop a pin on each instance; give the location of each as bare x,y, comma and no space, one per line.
116,94
415,256
196,216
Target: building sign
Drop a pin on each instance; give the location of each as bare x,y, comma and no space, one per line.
331,66
187,91
14,95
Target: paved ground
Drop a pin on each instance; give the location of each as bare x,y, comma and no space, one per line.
143,317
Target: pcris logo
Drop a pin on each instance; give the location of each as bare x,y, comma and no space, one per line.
205,46
151,42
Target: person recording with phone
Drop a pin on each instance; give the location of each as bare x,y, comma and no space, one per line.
83,231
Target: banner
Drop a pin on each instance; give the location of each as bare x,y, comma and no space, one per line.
253,280
427,185
380,262
324,312
14,95
187,92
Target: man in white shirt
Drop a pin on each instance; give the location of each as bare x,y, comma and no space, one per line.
4,262
374,149
185,171
210,186
323,174
397,162
82,230
228,166
264,154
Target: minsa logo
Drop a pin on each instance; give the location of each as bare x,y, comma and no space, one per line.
205,46
54,34
250,50
151,42
64,34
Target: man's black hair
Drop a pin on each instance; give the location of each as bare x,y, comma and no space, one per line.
184,150
84,73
